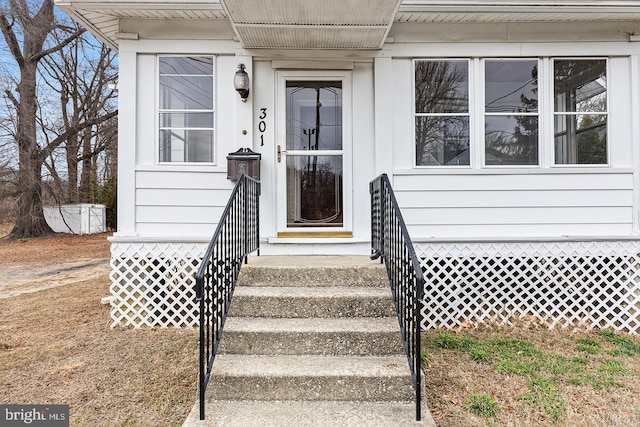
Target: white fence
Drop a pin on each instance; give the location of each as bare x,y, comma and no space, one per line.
80,218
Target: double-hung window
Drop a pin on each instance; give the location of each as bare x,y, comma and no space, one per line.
186,109
442,113
511,112
501,112
580,111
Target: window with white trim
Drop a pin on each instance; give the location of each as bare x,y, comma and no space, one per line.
442,112
500,120
186,109
511,112
580,111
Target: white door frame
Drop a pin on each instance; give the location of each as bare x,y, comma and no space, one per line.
280,195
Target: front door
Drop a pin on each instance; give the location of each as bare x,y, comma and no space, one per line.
312,155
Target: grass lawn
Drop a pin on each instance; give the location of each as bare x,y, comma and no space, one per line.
532,377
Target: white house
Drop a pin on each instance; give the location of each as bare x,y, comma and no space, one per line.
509,130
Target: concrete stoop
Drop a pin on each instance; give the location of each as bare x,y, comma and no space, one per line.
310,341
308,414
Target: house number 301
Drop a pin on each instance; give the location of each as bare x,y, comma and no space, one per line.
262,125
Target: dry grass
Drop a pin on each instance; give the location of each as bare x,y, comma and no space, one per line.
452,377
56,346
51,249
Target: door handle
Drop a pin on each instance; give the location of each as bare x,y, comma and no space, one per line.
280,152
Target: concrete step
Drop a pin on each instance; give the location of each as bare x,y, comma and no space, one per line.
322,302
308,414
313,271
310,378
311,341
330,336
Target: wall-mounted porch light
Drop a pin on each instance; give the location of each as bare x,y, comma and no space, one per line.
241,82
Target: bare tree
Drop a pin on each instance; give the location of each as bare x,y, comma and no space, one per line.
28,31
80,76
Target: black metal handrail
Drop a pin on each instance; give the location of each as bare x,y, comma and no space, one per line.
391,243
236,236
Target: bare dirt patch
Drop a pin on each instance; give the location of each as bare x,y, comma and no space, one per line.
56,345
52,261
20,278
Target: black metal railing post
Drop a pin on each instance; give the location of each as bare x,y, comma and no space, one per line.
391,242
236,236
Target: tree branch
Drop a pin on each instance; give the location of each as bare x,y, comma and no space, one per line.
12,40
12,98
59,46
55,143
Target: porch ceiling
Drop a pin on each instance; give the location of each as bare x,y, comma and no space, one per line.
336,24
499,11
312,24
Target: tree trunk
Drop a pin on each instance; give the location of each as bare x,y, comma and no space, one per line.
87,169
72,169
30,220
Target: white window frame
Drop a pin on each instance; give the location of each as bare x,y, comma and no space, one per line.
481,137
469,114
546,114
606,113
159,111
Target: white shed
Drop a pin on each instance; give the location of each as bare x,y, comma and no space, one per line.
80,218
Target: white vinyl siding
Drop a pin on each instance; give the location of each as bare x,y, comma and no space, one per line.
180,203
521,202
516,205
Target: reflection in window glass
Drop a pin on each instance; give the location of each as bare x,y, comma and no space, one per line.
186,65
186,93
511,140
314,191
580,104
186,109
314,115
442,112
511,112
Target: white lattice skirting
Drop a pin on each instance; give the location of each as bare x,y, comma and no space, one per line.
152,284
568,284
589,284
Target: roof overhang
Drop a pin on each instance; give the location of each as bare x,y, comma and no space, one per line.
102,17
335,24
312,24
499,11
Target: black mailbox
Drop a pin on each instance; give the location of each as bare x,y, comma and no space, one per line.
244,161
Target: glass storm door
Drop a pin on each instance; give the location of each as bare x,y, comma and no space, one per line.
312,160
